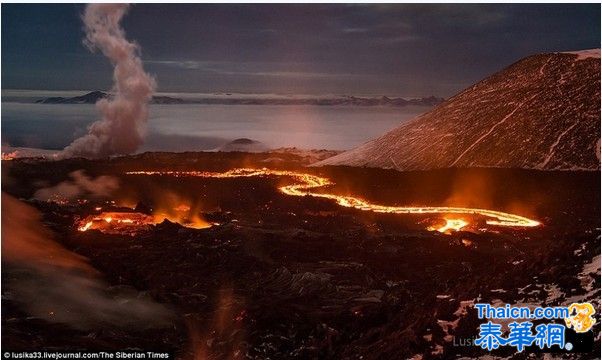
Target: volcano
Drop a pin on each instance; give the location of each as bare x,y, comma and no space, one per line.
542,112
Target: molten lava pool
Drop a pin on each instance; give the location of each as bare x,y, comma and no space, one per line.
116,222
450,225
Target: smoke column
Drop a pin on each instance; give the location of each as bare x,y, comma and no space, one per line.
121,129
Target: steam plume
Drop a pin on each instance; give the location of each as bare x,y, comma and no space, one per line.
120,131
55,284
80,184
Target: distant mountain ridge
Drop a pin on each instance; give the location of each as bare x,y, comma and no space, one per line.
94,96
89,98
542,112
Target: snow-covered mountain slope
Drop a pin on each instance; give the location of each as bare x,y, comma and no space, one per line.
542,112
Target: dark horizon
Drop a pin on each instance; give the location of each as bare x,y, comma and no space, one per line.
396,49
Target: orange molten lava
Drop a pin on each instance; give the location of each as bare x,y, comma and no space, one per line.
194,222
86,226
452,225
115,222
120,222
307,182
9,156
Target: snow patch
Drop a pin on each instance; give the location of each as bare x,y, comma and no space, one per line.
592,267
447,325
545,162
493,128
585,54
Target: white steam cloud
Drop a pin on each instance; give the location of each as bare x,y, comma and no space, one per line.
121,129
80,184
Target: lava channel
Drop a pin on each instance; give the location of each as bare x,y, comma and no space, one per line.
307,182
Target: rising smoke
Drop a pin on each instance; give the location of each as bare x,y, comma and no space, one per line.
55,284
79,185
124,115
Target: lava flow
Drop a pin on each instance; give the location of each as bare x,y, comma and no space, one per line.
124,222
115,222
307,182
9,156
452,225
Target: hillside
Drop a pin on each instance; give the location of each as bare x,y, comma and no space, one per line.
542,112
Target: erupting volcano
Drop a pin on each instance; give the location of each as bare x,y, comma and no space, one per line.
241,192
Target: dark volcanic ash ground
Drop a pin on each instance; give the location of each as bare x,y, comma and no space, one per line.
299,277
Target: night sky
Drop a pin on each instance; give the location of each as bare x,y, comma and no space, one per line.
407,50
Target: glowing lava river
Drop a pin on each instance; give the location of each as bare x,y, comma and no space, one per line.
307,182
